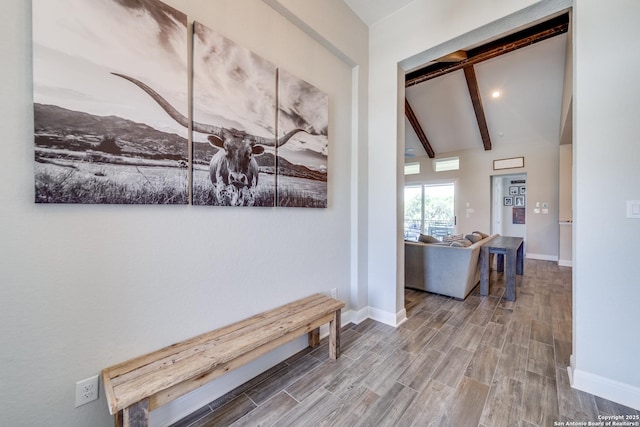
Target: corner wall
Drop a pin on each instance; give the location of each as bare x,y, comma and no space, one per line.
85,287
606,153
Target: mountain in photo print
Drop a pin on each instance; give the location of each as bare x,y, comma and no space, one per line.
302,161
99,136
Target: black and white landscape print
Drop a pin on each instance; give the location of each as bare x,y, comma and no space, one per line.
236,160
302,160
234,109
99,137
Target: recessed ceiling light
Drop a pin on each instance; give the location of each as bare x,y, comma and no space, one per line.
496,94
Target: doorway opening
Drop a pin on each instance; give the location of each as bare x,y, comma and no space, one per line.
508,205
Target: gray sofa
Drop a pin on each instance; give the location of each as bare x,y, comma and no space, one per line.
443,269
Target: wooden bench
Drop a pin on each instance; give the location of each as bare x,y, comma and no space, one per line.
137,386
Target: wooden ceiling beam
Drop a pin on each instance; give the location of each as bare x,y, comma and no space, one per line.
476,100
529,36
415,124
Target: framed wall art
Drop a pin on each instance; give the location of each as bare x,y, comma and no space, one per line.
518,215
112,113
234,110
99,138
512,163
302,159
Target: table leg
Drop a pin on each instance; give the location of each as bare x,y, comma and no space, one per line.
520,260
510,279
484,270
500,263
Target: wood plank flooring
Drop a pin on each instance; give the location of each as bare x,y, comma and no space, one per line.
480,362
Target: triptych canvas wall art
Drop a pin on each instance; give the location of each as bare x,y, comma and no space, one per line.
111,105
97,139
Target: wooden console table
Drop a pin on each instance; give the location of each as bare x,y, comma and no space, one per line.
513,249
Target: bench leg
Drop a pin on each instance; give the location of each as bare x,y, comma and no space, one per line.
314,338
334,336
136,415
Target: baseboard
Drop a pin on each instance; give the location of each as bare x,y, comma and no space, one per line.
189,403
542,257
355,317
387,318
565,263
401,317
609,389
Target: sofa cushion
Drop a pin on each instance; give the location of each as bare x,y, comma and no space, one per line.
473,237
464,243
425,238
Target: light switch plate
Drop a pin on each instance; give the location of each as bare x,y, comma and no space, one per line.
633,208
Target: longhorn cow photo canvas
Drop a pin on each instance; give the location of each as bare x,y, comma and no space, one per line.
110,102
302,161
240,103
234,110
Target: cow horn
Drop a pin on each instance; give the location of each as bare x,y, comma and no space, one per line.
270,142
175,114
200,127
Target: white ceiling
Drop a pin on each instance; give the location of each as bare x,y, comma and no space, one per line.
371,11
530,80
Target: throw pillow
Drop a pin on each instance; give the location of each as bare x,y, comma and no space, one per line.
425,238
483,235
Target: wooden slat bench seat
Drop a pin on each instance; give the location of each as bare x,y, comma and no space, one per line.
137,386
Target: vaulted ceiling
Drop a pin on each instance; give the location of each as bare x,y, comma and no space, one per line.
449,104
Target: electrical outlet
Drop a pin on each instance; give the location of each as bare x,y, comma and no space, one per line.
334,293
87,390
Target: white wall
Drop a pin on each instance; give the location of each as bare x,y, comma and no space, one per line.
333,24
565,202
606,162
84,287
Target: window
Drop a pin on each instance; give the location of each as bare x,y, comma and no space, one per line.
448,164
411,168
413,212
429,209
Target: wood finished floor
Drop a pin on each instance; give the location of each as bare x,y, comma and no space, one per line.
479,362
